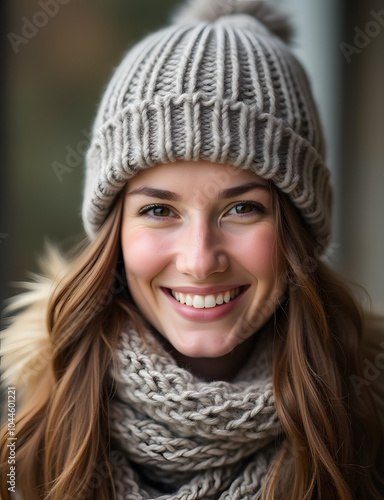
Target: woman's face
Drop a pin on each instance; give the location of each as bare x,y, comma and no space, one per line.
200,252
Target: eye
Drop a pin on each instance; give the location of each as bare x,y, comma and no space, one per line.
157,211
247,208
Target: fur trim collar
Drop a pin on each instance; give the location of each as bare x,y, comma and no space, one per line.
25,344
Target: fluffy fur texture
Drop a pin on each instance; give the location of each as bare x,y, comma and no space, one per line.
25,344
210,10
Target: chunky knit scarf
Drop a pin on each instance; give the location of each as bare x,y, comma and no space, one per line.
177,437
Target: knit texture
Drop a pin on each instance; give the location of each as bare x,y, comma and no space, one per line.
178,437
227,90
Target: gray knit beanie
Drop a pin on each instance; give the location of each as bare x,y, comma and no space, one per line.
219,84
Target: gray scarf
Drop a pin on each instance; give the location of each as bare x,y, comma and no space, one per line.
177,437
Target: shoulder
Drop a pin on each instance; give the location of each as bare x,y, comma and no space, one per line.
25,344
373,358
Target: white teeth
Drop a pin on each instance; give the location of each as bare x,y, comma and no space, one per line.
198,302
206,301
209,301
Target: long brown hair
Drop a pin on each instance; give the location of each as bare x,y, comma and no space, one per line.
333,440
62,437
331,436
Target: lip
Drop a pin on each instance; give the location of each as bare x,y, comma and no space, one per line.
203,315
204,290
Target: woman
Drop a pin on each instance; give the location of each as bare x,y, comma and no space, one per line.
198,346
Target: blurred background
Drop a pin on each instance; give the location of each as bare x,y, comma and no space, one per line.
60,55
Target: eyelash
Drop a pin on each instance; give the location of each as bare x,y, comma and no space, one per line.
145,210
259,208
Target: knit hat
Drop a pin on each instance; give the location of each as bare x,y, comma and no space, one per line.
219,84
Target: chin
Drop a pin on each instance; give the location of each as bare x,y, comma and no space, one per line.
200,348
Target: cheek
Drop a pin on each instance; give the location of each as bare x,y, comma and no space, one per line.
144,254
260,254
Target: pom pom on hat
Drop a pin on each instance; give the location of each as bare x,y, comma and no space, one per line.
268,14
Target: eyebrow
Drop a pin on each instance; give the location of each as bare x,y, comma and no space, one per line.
244,188
162,194
231,192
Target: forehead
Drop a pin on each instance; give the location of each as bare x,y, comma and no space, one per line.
183,175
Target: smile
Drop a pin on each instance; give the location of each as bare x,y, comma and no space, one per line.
206,301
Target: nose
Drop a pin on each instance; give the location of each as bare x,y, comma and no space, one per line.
201,252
